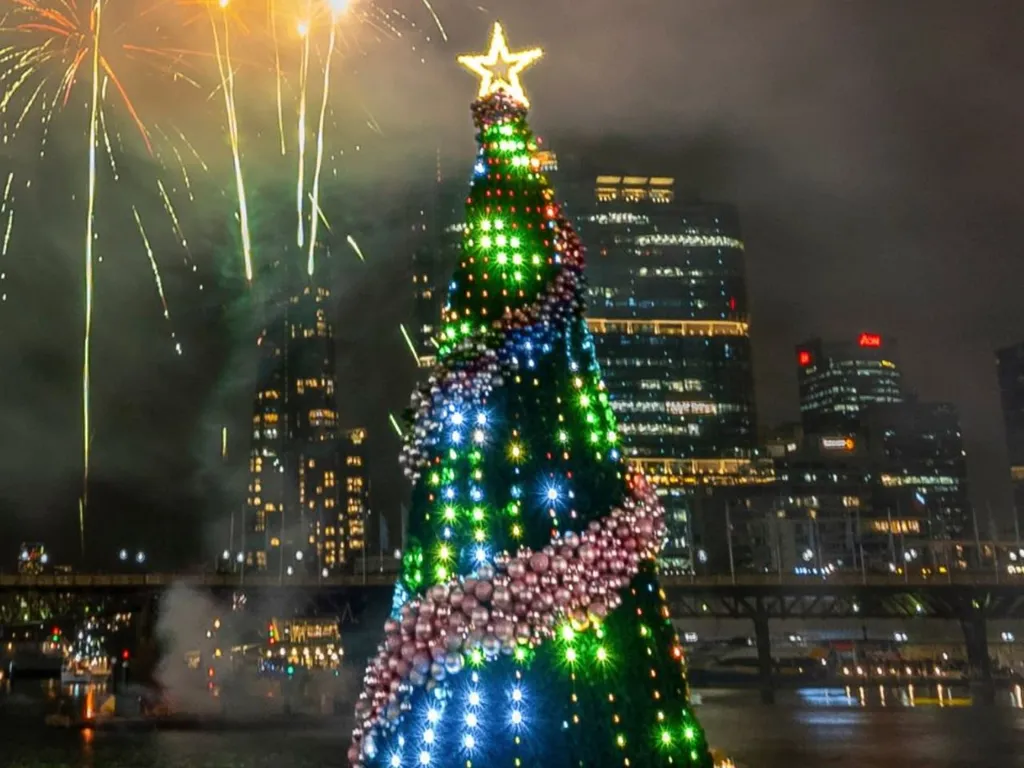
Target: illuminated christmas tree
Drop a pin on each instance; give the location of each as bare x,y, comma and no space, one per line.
529,629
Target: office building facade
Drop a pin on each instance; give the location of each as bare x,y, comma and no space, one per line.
1010,374
667,305
296,516
839,379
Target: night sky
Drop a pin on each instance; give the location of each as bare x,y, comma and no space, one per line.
873,148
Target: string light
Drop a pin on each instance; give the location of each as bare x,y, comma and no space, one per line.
530,554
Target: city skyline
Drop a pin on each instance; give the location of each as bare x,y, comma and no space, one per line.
912,252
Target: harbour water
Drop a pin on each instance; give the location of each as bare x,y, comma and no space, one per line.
833,728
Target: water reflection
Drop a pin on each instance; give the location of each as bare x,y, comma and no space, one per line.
902,696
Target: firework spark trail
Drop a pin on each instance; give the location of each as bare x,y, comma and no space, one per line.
355,247
320,146
227,79
272,12
8,207
408,341
300,187
7,232
175,223
94,112
156,277
427,4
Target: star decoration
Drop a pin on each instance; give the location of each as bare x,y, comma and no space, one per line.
499,68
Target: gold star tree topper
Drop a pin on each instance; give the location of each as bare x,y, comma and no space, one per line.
499,68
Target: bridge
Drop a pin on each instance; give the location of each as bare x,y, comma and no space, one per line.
970,598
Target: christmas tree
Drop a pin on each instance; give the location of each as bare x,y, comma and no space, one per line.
529,628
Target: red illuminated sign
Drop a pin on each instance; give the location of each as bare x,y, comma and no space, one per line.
804,357
870,340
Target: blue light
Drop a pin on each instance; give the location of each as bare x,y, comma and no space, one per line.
552,494
516,491
449,493
480,169
481,418
481,554
457,418
456,437
476,494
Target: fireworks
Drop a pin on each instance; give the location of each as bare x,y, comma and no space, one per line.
95,53
51,46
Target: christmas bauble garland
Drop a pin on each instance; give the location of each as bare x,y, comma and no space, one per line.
520,600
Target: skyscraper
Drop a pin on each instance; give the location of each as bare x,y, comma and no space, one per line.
668,310
839,379
1010,372
294,520
920,465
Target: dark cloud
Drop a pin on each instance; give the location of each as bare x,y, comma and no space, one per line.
872,147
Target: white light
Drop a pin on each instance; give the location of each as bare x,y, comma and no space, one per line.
456,419
552,494
396,761
517,695
291,571
481,419
140,558
474,699
428,736
240,557
433,716
122,555
225,555
424,758
324,573
478,436
517,717
471,720
298,556
469,742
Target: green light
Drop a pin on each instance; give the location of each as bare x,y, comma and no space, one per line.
478,514
520,654
620,740
602,654
442,573
612,437
503,258
570,655
444,553
514,242
563,437
476,658
689,733
585,401
434,478
568,634
666,738
449,513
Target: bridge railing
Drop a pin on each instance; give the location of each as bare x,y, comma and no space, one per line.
80,581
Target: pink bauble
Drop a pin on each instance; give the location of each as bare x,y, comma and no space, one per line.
502,598
516,569
559,564
483,591
587,554
539,562
531,579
